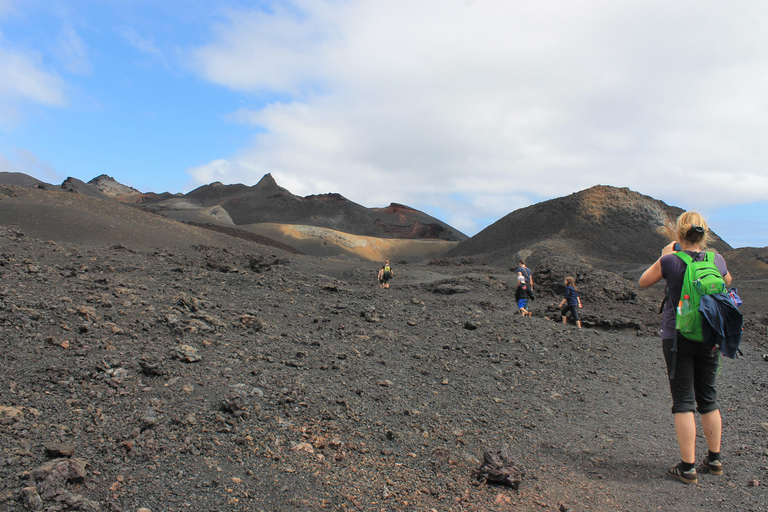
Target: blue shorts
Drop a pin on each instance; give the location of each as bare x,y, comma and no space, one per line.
522,303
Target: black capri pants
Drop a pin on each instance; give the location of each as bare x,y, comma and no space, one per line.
572,309
693,387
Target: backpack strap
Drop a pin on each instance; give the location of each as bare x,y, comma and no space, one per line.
673,362
686,258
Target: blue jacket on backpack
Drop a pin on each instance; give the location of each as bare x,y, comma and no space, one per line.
722,323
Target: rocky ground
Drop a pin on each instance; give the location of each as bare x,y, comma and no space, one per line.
196,378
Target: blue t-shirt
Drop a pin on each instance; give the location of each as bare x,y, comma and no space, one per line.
571,296
526,272
673,270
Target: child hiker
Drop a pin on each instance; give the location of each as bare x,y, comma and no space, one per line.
571,301
522,294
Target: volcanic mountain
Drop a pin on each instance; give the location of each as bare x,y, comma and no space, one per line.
267,202
319,225
609,227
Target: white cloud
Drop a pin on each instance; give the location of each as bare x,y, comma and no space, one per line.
416,100
24,79
144,44
72,52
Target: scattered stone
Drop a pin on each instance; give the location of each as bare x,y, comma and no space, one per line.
9,415
187,354
31,498
303,447
149,419
251,322
58,450
235,404
499,466
151,367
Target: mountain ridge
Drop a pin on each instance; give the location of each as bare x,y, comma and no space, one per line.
608,227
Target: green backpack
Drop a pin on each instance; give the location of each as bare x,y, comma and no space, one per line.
701,278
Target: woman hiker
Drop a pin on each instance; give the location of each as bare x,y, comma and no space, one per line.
696,365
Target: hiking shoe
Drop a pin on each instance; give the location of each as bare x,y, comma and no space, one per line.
715,467
687,477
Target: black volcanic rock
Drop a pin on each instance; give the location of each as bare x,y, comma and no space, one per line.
610,227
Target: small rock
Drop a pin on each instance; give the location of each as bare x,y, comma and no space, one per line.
31,498
9,415
234,403
303,447
187,353
148,419
151,367
499,466
58,450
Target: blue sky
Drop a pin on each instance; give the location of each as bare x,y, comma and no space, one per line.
465,109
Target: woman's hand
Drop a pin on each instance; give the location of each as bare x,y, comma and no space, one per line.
668,249
653,274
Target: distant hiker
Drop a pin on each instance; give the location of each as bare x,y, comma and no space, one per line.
380,277
692,366
388,274
525,272
571,301
522,295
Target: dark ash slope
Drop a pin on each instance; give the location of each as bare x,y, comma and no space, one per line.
609,227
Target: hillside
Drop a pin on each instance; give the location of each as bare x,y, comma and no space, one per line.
151,364
609,227
267,202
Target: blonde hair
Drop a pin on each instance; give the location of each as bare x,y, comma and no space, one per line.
570,280
692,228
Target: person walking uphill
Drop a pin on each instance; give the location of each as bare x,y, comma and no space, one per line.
522,295
694,367
523,271
388,274
571,301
